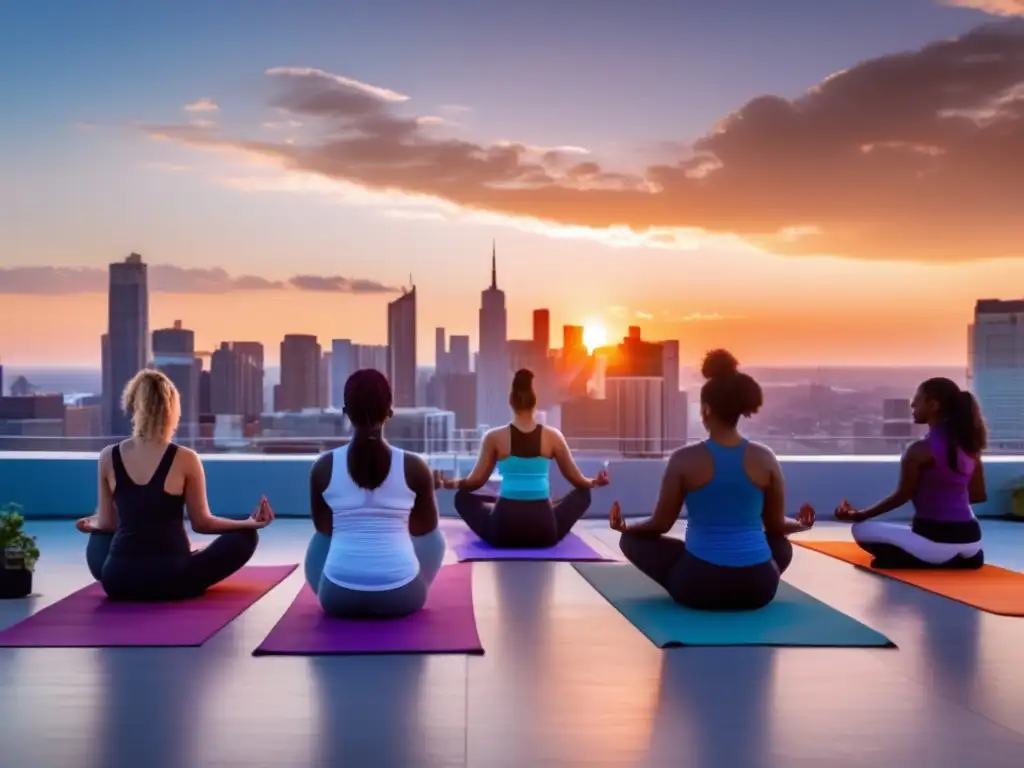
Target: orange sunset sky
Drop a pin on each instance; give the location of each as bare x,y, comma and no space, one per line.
807,188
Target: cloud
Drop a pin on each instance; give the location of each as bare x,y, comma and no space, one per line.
911,156
995,7
202,105
336,284
166,278
161,165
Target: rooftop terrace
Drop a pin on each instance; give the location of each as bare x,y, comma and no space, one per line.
565,679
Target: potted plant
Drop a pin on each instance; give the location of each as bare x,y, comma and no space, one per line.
18,554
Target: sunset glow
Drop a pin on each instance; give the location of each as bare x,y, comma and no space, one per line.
594,334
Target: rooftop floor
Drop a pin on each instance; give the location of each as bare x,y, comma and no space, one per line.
565,680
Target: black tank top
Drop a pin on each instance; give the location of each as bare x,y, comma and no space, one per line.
150,521
524,445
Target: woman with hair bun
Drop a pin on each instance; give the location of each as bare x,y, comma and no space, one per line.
522,515
736,547
377,547
942,476
138,548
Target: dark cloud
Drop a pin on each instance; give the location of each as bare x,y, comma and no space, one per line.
913,156
165,278
336,284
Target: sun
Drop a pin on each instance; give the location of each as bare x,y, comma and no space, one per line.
594,335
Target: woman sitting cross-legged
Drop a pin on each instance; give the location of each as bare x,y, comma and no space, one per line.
138,548
377,547
522,515
736,547
942,476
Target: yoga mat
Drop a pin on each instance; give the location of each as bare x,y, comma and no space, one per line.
87,619
446,624
793,618
992,589
471,548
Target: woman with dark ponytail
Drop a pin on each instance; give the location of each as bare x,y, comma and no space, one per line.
377,547
942,476
736,547
522,515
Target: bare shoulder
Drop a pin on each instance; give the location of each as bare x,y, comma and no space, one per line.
415,465
324,461
687,456
188,459
919,450
761,451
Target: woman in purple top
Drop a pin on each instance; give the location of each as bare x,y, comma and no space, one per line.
942,476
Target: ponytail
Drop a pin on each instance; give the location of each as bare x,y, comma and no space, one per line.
965,426
369,460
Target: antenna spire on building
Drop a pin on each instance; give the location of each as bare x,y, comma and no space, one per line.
494,265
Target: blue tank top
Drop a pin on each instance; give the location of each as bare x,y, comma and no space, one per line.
525,473
724,525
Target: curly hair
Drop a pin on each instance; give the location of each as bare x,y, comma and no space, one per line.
152,402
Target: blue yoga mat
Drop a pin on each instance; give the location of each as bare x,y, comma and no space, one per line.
793,618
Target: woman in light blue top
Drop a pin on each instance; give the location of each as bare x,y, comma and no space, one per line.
736,547
522,515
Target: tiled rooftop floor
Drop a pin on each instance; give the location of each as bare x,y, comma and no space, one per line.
565,681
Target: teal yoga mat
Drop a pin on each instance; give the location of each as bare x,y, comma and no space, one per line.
794,618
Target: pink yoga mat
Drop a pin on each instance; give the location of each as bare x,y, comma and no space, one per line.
87,619
469,547
446,624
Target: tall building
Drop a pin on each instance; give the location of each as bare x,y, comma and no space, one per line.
127,336
542,331
300,374
1,380
326,366
996,369
458,354
342,366
373,356
401,370
236,379
174,354
675,406
492,372
639,416
440,352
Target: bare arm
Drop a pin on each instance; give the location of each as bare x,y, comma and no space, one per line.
106,516
670,500
485,464
910,473
319,479
976,488
566,463
419,478
199,515
774,513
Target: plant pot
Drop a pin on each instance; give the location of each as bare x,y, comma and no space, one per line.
15,583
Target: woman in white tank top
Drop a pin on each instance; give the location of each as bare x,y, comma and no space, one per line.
377,547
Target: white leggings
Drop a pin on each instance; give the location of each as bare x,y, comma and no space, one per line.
901,536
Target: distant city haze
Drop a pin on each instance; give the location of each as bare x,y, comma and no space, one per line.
767,186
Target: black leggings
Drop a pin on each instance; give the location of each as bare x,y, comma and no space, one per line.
520,523
696,583
168,578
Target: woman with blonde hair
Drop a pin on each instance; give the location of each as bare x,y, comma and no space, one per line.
138,548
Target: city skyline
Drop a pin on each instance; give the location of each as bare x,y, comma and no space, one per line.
255,227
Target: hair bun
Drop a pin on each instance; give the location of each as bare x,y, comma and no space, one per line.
718,363
523,379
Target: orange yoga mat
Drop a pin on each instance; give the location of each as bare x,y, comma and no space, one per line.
990,588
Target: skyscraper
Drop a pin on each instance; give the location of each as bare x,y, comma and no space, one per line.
174,354
675,406
127,336
458,354
236,379
492,373
542,331
996,369
402,348
440,352
300,374
342,366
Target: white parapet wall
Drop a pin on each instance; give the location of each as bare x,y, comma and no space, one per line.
65,484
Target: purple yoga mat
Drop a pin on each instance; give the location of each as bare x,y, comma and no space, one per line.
572,548
87,619
446,624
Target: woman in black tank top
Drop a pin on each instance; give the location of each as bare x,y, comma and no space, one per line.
138,548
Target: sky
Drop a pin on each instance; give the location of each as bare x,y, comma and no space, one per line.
804,183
